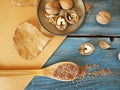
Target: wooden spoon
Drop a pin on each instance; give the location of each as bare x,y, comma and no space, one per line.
62,71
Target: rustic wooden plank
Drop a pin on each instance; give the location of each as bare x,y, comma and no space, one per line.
90,25
68,51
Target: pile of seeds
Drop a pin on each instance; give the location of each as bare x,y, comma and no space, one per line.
67,71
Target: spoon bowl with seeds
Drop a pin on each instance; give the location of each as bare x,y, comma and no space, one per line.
62,71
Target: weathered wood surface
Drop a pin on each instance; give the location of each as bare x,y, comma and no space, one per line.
90,25
68,51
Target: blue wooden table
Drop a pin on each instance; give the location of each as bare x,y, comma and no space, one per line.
90,25
68,51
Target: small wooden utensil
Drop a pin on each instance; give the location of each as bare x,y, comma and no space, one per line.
59,71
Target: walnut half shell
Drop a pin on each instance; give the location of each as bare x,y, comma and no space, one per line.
86,49
71,16
61,23
103,17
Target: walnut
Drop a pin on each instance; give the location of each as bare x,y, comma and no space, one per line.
61,23
86,49
51,18
71,16
66,4
103,17
52,7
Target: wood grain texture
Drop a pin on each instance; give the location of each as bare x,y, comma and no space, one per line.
68,51
92,27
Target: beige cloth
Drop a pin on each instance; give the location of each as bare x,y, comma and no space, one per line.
10,17
14,83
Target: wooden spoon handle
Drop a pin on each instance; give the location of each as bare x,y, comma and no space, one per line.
38,72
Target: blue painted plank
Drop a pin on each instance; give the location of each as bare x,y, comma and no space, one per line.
68,51
92,27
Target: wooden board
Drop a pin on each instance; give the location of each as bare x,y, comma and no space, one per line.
90,25
10,17
68,51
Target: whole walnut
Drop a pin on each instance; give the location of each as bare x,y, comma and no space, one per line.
66,4
52,7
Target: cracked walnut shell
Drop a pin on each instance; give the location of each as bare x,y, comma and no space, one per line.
51,18
71,17
61,23
103,44
86,49
103,17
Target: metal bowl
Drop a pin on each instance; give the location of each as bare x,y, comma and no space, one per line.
78,7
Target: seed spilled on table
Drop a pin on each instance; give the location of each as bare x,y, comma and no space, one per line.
88,7
85,74
71,72
96,65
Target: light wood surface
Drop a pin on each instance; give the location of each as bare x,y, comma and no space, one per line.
46,72
10,17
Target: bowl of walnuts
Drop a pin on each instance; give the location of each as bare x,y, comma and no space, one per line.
61,17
